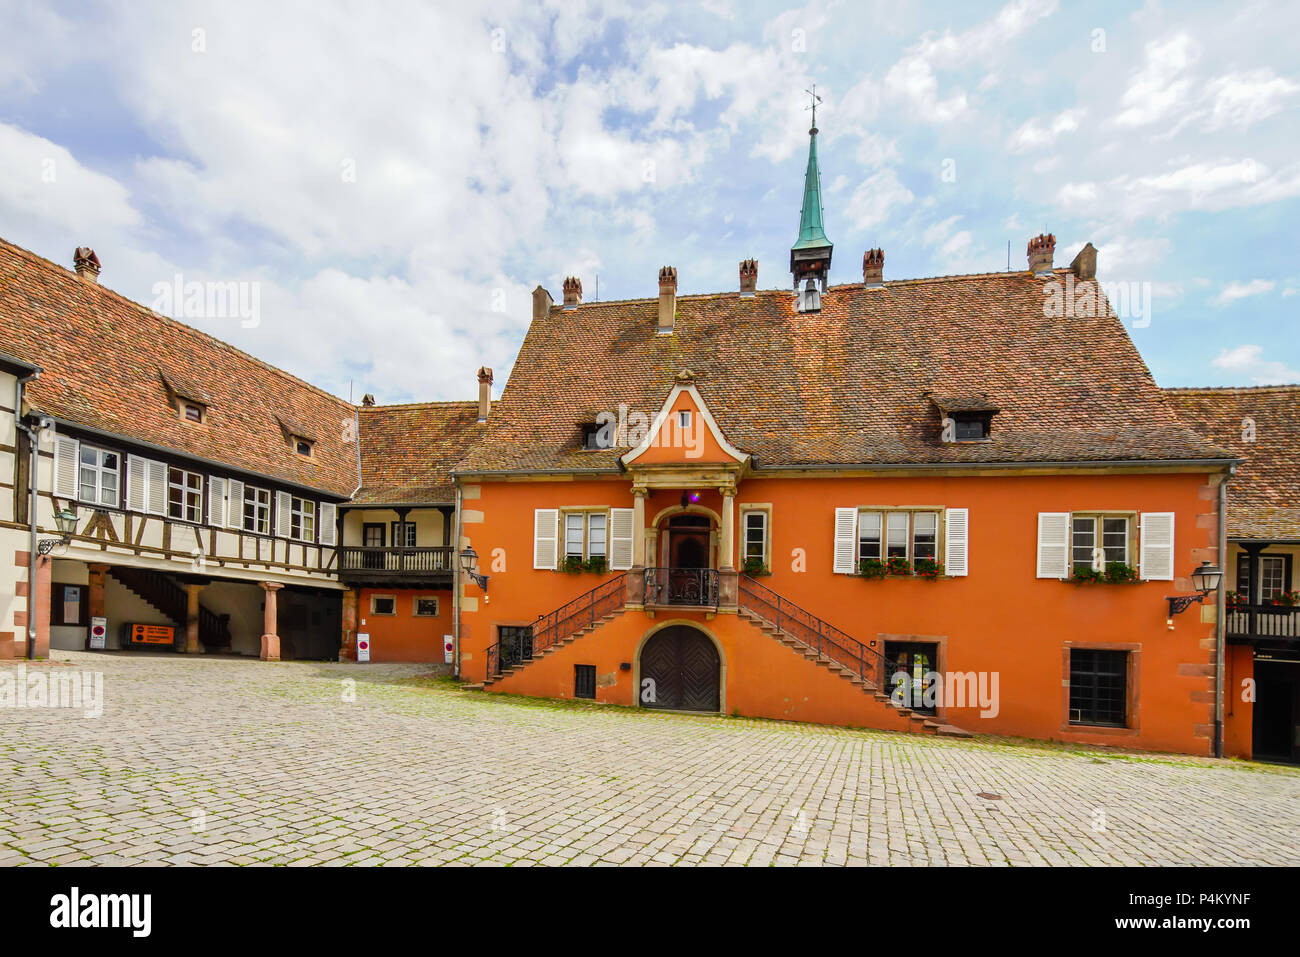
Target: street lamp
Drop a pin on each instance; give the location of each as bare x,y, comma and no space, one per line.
66,521
1205,579
469,565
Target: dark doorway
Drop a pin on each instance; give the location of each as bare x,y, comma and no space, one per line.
372,536
688,541
916,660
1277,704
680,671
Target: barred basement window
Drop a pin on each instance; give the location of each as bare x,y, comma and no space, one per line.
584,681
1099,687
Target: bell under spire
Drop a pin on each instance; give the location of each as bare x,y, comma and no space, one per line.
810,256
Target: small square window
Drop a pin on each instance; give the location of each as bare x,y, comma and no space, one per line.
1099,687
303,446
383,605
684,419
426,608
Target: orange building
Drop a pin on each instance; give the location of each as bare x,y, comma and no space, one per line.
941,504
1261,627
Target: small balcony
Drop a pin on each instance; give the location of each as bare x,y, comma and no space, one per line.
366,565
682,587
1272,623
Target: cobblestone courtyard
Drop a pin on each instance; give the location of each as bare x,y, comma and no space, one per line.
225,761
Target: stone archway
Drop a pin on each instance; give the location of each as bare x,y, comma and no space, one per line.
680,670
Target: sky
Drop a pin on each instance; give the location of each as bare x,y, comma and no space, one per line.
385,183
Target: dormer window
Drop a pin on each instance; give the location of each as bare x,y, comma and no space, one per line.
594,437
970,426
967,418
191,412
303,446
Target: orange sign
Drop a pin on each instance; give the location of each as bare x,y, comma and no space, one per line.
152,634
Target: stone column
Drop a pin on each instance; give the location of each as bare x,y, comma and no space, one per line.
348,647
270,639
95,593
638,527
727,545
192,643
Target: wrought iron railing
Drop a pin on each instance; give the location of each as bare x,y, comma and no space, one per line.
359,558
1264,621
555,627
682,586
863,660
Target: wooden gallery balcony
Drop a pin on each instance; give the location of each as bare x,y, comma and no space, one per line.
406,567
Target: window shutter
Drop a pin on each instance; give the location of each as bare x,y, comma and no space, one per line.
846,526
283,518
621,535
137,490
328,517
1157,546
1053,544
234,503
546,537
217,502
66,451
958,536
155,497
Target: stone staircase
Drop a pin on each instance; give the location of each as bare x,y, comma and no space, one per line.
921,722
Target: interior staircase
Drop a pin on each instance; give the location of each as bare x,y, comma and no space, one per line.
171,599
775,616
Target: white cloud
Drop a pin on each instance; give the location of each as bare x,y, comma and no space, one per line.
1241,99
1160,87
875,197
1038,132
1242,290
1248,362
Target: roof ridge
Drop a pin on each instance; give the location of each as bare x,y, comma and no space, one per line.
425,404
781,290
175,322
1276,387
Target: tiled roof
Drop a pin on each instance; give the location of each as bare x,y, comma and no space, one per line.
1264,495
407,451
107,362
847,385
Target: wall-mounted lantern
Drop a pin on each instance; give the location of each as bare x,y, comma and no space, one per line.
1205,579
66,521
469,565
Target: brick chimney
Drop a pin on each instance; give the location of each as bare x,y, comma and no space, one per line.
748,278
667,300
542,303
873,268
86,263
572,292
1040,252
1085,263
484,393
368,400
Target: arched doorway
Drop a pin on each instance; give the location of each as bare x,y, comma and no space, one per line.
680,671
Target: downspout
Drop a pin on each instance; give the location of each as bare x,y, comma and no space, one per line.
455,590
1221,622
33,453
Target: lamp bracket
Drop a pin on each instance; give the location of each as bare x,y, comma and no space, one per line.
1180,603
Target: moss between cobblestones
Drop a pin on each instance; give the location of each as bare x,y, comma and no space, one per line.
431,689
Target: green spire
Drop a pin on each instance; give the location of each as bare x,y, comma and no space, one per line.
812,235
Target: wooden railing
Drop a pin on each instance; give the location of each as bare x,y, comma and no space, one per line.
404,561
1264,621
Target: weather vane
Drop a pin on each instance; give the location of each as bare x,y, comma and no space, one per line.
815,100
